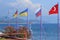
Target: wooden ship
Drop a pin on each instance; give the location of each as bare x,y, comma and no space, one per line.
23,33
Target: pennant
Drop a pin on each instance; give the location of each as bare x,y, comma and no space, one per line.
16,14
24,13
38,13
54,9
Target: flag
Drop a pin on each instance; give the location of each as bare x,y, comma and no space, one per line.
16,14
54,9
38,13
24,13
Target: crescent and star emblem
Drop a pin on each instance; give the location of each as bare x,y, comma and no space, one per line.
54,9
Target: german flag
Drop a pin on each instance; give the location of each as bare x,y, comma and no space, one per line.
16,14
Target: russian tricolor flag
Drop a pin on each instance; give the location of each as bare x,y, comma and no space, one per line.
38,13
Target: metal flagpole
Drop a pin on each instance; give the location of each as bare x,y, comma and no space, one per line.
16,23
8,19
45,34
17,20
27,20
31,31
41,27
58,24
28,23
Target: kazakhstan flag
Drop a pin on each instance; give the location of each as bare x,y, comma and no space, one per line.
24,13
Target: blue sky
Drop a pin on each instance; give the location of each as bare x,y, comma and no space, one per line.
32,5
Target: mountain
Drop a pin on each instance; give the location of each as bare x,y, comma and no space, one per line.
16,20
13,20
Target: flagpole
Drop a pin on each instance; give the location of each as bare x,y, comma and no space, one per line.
58,24
31,30
16,23
41,26
28,24
8,19
27,20
16,20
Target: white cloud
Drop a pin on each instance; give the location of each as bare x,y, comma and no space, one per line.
24,3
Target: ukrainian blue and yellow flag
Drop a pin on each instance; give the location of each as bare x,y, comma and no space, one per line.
24,13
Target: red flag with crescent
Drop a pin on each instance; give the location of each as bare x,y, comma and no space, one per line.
54,9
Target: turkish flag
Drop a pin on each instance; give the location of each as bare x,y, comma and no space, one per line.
54,9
